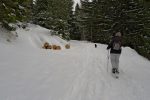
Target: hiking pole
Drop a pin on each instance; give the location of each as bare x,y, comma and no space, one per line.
107,60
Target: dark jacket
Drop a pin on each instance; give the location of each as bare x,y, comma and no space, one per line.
110,45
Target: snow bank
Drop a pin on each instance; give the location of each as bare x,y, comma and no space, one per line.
6,36
33,36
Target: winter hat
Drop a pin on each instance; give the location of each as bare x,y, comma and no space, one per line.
118,34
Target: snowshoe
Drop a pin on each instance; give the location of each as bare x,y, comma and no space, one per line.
115,73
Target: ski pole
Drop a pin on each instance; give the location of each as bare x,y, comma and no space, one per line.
107,60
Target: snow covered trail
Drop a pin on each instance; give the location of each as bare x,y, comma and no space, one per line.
28,72
76,74
89,82
94,83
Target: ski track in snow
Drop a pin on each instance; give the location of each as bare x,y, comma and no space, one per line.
94,83
85,85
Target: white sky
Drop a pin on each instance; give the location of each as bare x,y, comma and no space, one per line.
75,2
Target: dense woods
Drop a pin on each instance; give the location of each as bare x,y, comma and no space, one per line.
94,21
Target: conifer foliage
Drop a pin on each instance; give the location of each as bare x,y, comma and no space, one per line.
100,19
53,14
12,11
94,21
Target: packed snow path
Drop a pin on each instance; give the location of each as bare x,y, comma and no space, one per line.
93,82
76,74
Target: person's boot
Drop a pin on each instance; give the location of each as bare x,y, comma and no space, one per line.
117,70
113,70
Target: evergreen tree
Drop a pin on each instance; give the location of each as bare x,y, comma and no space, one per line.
85,20
40,15
74,27
53,14
102,18
13,11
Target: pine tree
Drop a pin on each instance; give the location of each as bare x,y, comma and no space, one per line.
13,11
85,20
40,15
53,14
73,24
103,18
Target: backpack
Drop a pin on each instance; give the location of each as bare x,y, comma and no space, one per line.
117,44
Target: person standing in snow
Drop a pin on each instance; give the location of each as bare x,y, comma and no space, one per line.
115,52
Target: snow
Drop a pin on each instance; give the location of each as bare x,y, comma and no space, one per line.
21,7
75,3
13,14
4,5
28,72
